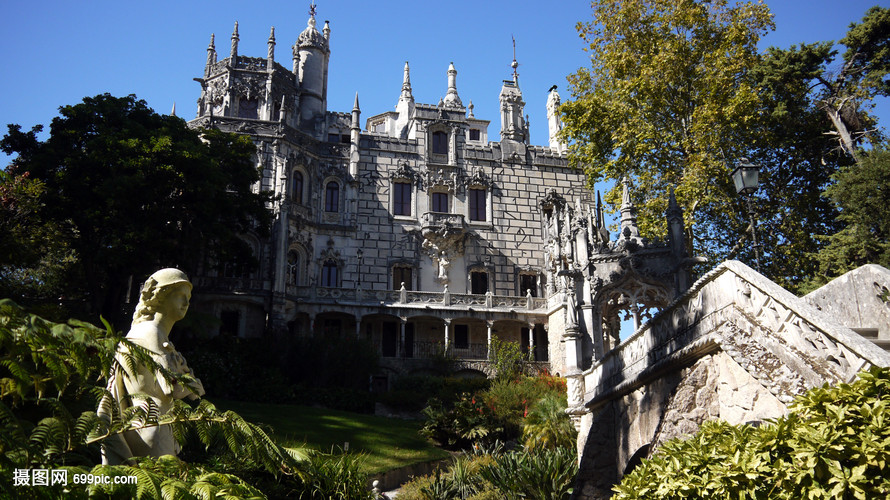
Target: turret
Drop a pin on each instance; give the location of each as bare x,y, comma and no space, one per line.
312,65
512,106
452,100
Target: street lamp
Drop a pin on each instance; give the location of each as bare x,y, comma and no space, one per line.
746,177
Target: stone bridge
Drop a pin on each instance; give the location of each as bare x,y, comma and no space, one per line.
735,346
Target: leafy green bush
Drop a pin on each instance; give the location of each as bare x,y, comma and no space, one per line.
495,414
467,421
507,359
545,474
548,425
541,474
411,392
834,443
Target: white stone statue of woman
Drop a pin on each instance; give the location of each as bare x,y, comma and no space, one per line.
163,301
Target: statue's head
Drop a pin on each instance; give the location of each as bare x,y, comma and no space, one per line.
155,291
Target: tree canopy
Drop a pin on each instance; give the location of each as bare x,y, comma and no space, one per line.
666,99
129,191
678,94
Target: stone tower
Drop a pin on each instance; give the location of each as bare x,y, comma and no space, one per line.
312,50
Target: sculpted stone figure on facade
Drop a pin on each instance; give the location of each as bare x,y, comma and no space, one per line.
163,301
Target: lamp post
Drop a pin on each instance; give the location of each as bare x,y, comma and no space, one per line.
746,178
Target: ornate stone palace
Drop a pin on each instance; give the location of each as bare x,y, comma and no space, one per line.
420,235
414,230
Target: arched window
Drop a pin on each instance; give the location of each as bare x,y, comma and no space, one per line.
329,274
298,187
440,143
332,197
293,268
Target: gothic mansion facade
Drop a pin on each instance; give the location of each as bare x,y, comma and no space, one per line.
415,232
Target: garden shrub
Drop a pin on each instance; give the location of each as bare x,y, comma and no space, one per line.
411,392
495,414
834,443
541,474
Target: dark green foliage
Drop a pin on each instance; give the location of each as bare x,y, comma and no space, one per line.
336,476
507,359
862,192
834,444
545,474
488,416
129,191
304,370
461,423
319,361
246,369
547,424
411,392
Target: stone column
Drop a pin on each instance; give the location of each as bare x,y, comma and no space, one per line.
488,325
403,321
358,327
531,341
447,333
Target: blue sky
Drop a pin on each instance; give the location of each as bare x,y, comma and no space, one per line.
60,51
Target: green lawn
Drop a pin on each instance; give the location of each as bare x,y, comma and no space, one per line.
387,443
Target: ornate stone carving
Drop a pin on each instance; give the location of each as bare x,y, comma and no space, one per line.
478,177
404,171
443,240
249,87
444,176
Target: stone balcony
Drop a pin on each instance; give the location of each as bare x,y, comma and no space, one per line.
444,300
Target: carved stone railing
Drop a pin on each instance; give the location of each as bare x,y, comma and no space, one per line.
437,300
437,221
786,343
230,284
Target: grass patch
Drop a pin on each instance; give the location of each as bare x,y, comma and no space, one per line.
387,443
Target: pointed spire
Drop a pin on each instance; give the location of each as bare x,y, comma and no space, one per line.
173,112
514,64
356,114
452,100
406,84
673,211
235,39
211,55
629,228
270,56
